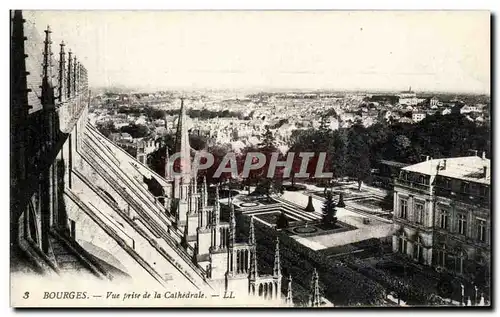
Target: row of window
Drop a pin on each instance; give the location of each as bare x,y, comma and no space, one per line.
443,258
465,187
418,248
421,179
443,221
419,211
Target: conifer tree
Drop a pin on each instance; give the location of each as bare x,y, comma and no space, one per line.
341,203
310,207
282,221
329,211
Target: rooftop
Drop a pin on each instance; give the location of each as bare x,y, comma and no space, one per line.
468,168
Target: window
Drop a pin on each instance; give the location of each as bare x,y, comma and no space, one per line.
421,179
481,230
403,208
403,244
418,255
447,183
462,224
443,219
484,191
460,262
419,213
465,187
441,257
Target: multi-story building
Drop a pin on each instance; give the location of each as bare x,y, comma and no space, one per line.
408,98
418,116
442,214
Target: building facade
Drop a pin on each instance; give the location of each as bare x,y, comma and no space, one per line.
442,215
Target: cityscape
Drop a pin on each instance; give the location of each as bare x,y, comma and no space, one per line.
245,197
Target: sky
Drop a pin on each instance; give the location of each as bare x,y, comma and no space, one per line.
447,51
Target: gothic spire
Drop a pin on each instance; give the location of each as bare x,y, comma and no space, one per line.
70,76
289,297
47,86
182,145
232,226
195,183
74,79
167,164
314,296
203,197
216,212
253,264
277,262
205,191
62,74
251,235
185,235
19,90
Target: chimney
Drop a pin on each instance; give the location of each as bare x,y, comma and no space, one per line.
443,167
484,155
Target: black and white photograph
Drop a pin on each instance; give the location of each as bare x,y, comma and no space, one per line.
259,158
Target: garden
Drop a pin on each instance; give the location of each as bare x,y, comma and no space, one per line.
338,283
316,228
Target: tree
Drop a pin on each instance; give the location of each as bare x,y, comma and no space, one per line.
341,203
282,221
268,141
388,202
106,128
323,124
269,187
358,153
310,207
328,211
136,130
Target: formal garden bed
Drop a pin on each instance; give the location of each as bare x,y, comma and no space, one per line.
294,188
249,204
317,228
269,217
371,203
336,194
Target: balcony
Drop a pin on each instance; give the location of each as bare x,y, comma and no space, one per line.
412,185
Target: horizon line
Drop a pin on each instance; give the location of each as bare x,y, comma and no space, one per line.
282,89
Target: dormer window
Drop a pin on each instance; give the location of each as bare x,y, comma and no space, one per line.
421,179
